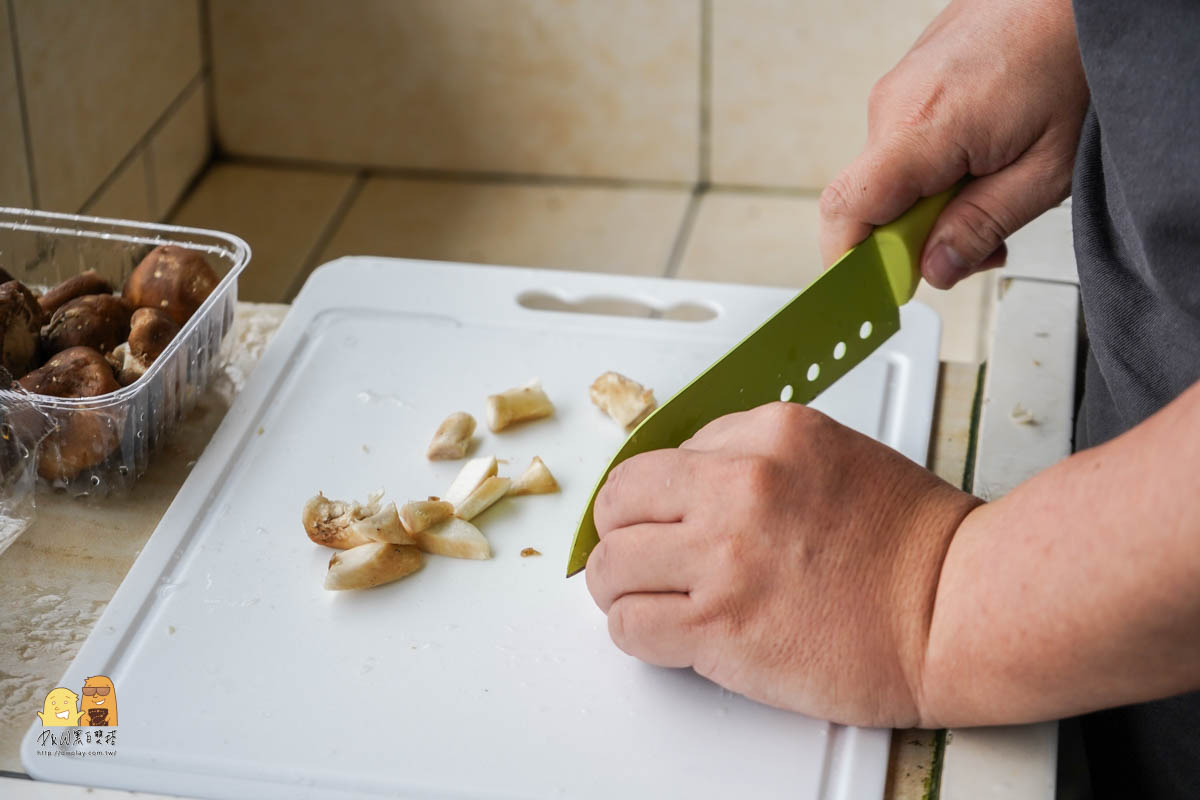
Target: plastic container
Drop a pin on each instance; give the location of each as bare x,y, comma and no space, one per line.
121,430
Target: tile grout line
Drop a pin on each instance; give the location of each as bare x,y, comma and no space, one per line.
704,158
148,174
469,176
143,141
452,175
206,65
684,234
328,230
22,103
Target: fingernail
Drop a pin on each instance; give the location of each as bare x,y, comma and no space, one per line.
944,266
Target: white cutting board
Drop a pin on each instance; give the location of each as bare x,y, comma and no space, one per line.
237,675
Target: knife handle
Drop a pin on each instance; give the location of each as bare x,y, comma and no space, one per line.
902,241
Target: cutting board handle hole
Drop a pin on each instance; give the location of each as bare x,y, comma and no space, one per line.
616,306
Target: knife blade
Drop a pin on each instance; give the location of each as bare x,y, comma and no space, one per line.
816,338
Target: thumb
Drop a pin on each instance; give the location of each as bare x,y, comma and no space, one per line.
970,232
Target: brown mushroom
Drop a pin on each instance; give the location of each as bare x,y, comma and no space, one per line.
5,277
84,283
84,438
98,321
150,331
19,320
172,279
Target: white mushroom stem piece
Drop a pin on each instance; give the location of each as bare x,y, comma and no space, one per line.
517,405
483,497
384,526
535,480
370,565
452,437
454,538
473,473
342,525
623,399
421,514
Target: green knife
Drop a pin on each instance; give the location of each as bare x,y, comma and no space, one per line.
799,352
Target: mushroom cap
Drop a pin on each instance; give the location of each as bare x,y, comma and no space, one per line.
99,321
75,372
150,331
84,283
5,277
20,317
84,438
173,279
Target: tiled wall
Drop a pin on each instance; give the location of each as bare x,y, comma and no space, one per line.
103,105
740,92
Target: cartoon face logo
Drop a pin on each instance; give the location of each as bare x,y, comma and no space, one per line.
99,702
60,709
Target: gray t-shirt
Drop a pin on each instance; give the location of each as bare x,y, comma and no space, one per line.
1136,214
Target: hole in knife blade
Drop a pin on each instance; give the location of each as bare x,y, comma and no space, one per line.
864,330
814,370
786,394
839,350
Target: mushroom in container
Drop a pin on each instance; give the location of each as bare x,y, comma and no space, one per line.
84,438
172,279
150,331
20,318
98,321
85,283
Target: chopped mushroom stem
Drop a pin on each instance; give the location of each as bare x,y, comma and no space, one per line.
421,514
536,479
452,438
342,525
371,564
473,473
384,526
482,498
623,399
454,538
517,405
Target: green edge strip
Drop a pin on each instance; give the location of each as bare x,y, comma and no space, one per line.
933,781
968,479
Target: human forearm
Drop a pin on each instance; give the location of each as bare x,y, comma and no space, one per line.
1078,590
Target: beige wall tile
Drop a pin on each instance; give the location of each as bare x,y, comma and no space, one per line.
14,175
751,238
127,196
772,240
97,76
566,227
179,150
281,213
790,80
529,86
